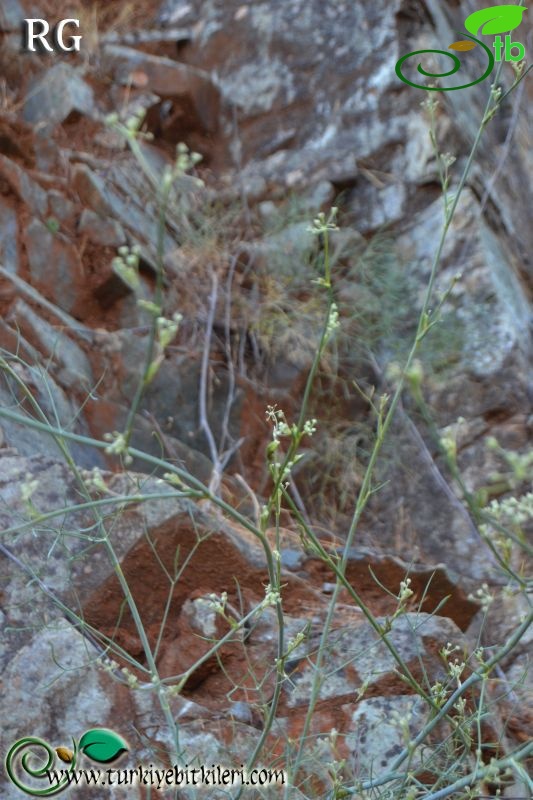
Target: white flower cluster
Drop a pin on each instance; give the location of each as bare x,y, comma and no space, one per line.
333,320
28,488
186,159
456,669
279,423
446,651
322,224
216,603
126,266
482,596
405,591
118,446
272,596
513,510
167,329
94,480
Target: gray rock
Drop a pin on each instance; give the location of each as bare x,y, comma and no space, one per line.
66,359
48,159
357,656
291,559
379,727
267,209
101,230
56,488
9,251
125,195
502,618
488,302
168,79
55,406
52,97
241,712
12,341
475,368
440,586
129,313
20,438
24,187
278,71
288,251
315,108
439,527
54,263
172,397
53,666
61,207
11,15
143,439
91,189
177,404
318,197
173,11
23,288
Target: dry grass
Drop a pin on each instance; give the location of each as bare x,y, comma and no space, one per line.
97,18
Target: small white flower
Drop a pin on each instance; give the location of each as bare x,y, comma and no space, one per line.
118,446
167,329
321,223
29,487
333,320
272,596
310,427
405,591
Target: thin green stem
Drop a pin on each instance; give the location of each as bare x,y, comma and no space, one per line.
383,427
477,676
119,500
163,195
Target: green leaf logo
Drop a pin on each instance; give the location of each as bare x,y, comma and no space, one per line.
102,745
498,19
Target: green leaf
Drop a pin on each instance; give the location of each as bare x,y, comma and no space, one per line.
102,745
498,19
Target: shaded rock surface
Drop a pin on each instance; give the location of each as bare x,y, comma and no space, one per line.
50,99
